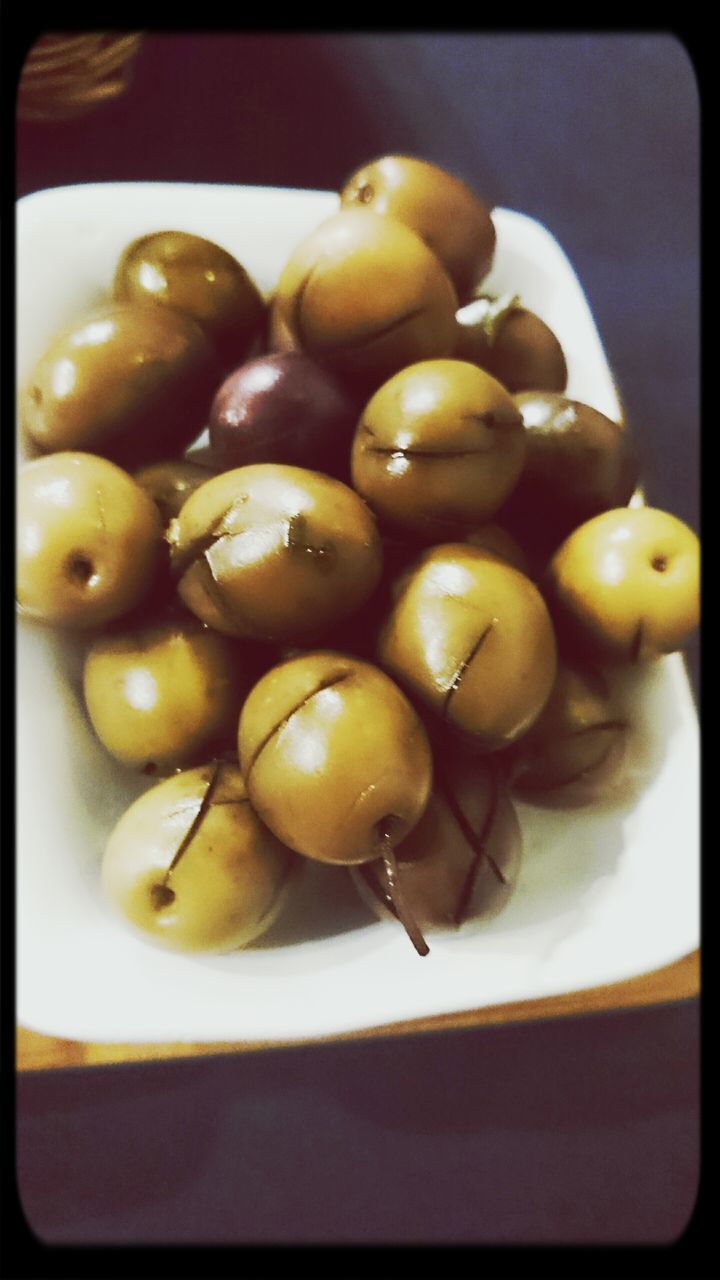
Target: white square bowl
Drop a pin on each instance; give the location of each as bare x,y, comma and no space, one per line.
604,894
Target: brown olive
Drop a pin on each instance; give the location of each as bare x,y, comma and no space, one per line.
89,541
336,761
131,381
438,448
191,867
461,860
572,754
442,209
170,484
625,586
365,296
472,638
274,552
495,540
578,462
180,270
514,344
160,696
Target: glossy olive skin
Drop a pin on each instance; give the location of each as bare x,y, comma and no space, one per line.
170,483
624,587
514,344
461,861
176,269
335,758
472,639
452,220
191,867
577,464
283,407
89,541
161,697
270,552
439,447
364,295
131,381
573,753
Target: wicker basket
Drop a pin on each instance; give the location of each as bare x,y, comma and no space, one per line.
66,75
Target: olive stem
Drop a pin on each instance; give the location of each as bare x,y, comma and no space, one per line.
397,897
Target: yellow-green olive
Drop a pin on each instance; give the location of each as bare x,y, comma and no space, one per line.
442,209
159,697
572,754
364,295
472,638
130,380
625,586
439,447
513,344
89,541
336,760
191,867
274,552
177,269
461,860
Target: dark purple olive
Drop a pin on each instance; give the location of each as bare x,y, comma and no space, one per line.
284,408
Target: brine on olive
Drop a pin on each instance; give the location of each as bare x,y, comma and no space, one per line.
163,695
335,758
130,381
625,586
438,448
573,753
89,541
512,343
472,639
198,277
191,867
272,552
442,209
461,860
364,295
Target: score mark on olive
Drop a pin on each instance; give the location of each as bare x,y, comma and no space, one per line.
462,668
328,683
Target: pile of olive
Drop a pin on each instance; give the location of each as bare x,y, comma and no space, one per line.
390,596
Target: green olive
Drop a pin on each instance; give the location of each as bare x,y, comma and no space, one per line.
452,220
461,860
191,867
274,552
513,344
336,761
625,586
158,697
572,754
439,447
131,381
364,295
472,638
181,270
89,541
170,484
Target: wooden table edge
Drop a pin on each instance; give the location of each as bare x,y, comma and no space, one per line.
669,984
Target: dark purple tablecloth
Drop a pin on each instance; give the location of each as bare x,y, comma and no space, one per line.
582,1131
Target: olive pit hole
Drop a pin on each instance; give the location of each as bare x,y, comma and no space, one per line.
365,193
80,568
659,563
161,896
